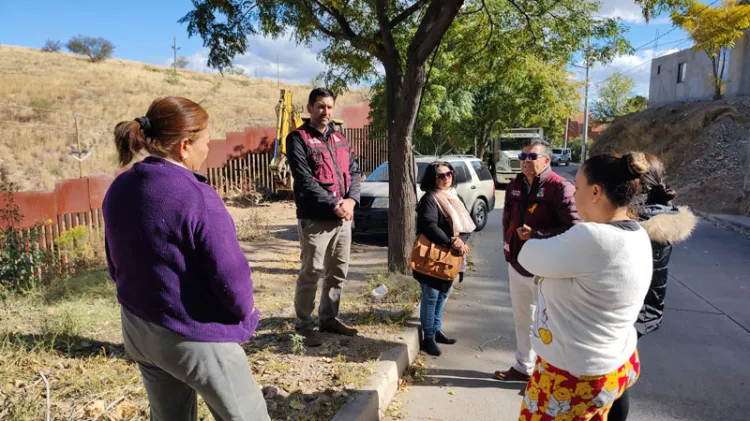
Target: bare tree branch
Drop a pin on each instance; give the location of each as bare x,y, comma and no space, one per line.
526,15
406,13
346,29
391,50
437,19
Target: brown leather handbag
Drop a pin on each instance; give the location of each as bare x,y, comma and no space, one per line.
435,260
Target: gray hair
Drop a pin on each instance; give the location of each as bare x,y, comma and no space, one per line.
546,150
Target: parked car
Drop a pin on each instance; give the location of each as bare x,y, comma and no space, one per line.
561,156
474,185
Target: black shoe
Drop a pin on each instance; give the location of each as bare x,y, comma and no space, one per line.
311,337
442,339
430,346
460,277
338,327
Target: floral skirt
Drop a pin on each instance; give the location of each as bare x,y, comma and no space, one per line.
556,395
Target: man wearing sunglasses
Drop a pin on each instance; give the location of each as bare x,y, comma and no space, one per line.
538,204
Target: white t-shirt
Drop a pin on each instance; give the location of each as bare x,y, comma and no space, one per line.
592,281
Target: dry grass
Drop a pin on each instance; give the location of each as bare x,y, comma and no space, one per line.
704,146
40,91
71,332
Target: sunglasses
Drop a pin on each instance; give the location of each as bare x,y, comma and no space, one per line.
443,176
531,156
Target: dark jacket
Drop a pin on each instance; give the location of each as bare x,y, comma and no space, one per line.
319,182
547,206
438,229
665,225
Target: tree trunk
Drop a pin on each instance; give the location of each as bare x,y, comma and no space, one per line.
403,95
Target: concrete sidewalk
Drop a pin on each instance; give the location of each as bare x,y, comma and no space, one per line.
694,368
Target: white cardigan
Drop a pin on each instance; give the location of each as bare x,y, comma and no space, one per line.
592,281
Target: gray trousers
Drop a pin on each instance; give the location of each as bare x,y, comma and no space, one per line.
174,369
325,253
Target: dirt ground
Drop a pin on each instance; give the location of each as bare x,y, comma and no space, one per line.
70,333
704,145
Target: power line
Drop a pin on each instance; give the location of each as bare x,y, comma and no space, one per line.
686,40
674,28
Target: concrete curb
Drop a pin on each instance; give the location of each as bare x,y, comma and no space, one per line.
725,222
371,402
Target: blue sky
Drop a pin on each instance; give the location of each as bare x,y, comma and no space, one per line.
143,31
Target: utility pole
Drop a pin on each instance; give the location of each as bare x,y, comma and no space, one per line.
586,103
567,124
175,48
79,154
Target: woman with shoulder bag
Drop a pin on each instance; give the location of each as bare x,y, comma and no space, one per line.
444,220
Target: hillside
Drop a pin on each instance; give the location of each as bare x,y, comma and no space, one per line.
40,91
704,145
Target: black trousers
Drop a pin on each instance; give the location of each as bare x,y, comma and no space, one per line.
620,408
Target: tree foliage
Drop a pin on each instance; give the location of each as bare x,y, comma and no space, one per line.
614,96
399,37
714,31
52,46
637,104
182,62
97,49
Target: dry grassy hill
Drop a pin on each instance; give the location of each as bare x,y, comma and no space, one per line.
40,91
704,145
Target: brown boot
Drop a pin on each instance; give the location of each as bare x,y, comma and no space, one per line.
512,375
311,337
338,327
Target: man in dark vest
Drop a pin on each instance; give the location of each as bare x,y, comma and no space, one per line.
538,204
326,190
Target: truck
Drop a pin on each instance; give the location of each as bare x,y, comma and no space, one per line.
504,149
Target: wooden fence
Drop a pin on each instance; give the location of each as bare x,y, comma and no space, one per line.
239,163
231,171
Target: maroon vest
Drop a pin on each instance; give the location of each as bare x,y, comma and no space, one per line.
330,160
537,210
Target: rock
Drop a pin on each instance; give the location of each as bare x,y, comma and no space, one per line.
270,392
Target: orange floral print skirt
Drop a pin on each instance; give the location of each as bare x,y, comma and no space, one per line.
556,395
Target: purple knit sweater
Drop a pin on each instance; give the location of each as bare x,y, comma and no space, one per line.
173,253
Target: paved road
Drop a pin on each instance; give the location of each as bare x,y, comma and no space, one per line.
695,368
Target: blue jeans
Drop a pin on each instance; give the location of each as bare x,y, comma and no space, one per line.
431,310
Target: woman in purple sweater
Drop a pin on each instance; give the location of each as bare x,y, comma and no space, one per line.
182,280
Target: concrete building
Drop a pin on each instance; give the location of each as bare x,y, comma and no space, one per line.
686,75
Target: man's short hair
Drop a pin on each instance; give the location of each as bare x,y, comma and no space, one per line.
546,150
318,93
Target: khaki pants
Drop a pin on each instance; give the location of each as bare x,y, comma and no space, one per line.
325,253
174,369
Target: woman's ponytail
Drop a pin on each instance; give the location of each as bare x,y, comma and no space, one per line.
129,139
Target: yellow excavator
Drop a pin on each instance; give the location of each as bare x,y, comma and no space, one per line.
287,120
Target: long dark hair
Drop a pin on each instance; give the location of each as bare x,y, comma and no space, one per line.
429,178
618,176
167,121
653,189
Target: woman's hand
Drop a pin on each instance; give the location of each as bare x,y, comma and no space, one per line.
457,243
465,249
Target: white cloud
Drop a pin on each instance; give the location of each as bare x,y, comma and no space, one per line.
626,10
629,12
296,63
637,66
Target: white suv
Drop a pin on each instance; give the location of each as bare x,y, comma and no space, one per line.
474,185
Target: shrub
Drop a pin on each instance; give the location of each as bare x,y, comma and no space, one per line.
182,62
97,49
82,249
52,46
20,256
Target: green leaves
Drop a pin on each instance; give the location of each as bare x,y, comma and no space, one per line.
614,99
